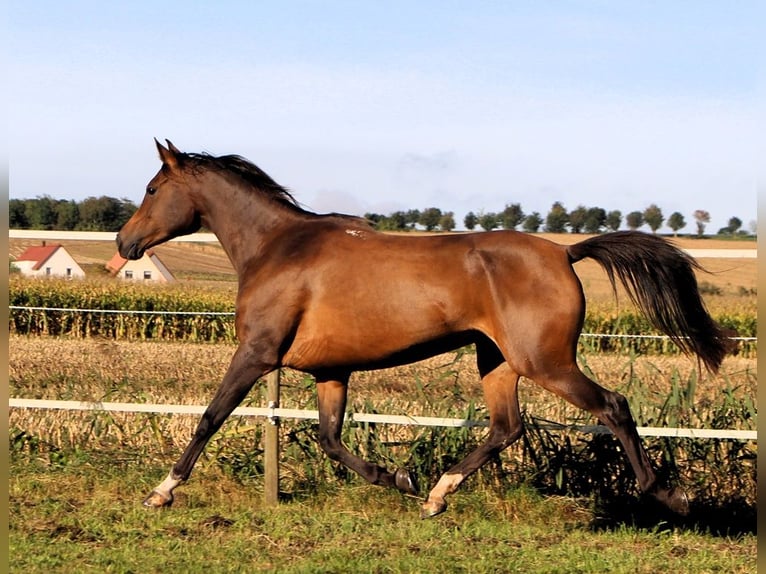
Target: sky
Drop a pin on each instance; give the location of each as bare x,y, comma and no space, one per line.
363,107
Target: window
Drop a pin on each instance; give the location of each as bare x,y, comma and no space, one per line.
128,274
147,275
47,270
69,272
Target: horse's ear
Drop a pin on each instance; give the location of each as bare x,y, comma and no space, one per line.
173,148
169,155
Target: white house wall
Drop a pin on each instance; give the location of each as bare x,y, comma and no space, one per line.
138,268
58,263
162,269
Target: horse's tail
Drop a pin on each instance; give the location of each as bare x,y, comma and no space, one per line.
659,279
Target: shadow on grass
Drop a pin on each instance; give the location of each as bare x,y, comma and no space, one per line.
731,518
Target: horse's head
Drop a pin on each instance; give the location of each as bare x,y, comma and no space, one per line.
167,211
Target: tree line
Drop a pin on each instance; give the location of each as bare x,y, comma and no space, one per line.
91,214
110,214
558,220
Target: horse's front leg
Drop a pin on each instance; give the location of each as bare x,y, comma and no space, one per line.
246,367
332,407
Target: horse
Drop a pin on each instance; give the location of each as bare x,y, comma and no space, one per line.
327,295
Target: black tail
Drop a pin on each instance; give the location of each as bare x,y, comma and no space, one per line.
660,280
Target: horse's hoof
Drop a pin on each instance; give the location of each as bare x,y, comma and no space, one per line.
431,508
157,500
405,482
675,499
678,502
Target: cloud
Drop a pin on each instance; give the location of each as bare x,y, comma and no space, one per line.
438,162
336,201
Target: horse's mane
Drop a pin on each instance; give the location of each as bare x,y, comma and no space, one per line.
247,171
258,179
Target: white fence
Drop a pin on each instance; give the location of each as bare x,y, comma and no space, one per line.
275,413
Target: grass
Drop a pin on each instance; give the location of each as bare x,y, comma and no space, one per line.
84,516
554,502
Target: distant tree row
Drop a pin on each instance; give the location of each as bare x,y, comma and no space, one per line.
92,214
431,218
558,220
110,214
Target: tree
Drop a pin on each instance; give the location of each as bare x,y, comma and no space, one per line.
577,218
429,218
67,215
396,221
127,209
17,216
653,217
634,219
734,224
41,212
470,221
101,214
702,217
532,222
447,221
511,216
488,221
676,221
93,214
413,217
595,219
557,219
613,220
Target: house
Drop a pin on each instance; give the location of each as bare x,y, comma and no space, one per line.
148,268
48,261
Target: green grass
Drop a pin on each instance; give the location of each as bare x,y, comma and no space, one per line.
85,516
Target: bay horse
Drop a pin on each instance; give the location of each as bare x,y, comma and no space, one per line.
327,295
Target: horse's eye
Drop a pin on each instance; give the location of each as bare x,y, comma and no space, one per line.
150,190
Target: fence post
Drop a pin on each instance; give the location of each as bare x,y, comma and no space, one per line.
271,443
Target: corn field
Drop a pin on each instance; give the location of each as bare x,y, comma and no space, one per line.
185,313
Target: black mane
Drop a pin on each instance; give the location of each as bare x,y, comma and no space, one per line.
259,179
247,171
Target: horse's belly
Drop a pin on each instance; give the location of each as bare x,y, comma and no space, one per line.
373,347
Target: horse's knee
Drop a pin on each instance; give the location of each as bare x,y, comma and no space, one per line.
502,436
616,411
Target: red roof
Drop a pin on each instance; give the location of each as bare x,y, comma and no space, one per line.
118,261
39,253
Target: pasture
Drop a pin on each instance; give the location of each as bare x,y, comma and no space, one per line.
557,501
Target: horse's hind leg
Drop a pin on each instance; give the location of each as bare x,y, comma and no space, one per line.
332,407
500,384
612,410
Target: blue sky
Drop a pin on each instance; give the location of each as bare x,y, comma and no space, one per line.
379,106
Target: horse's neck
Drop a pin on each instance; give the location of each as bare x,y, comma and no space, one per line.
244,221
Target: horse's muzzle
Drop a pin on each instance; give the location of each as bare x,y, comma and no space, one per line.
128,250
